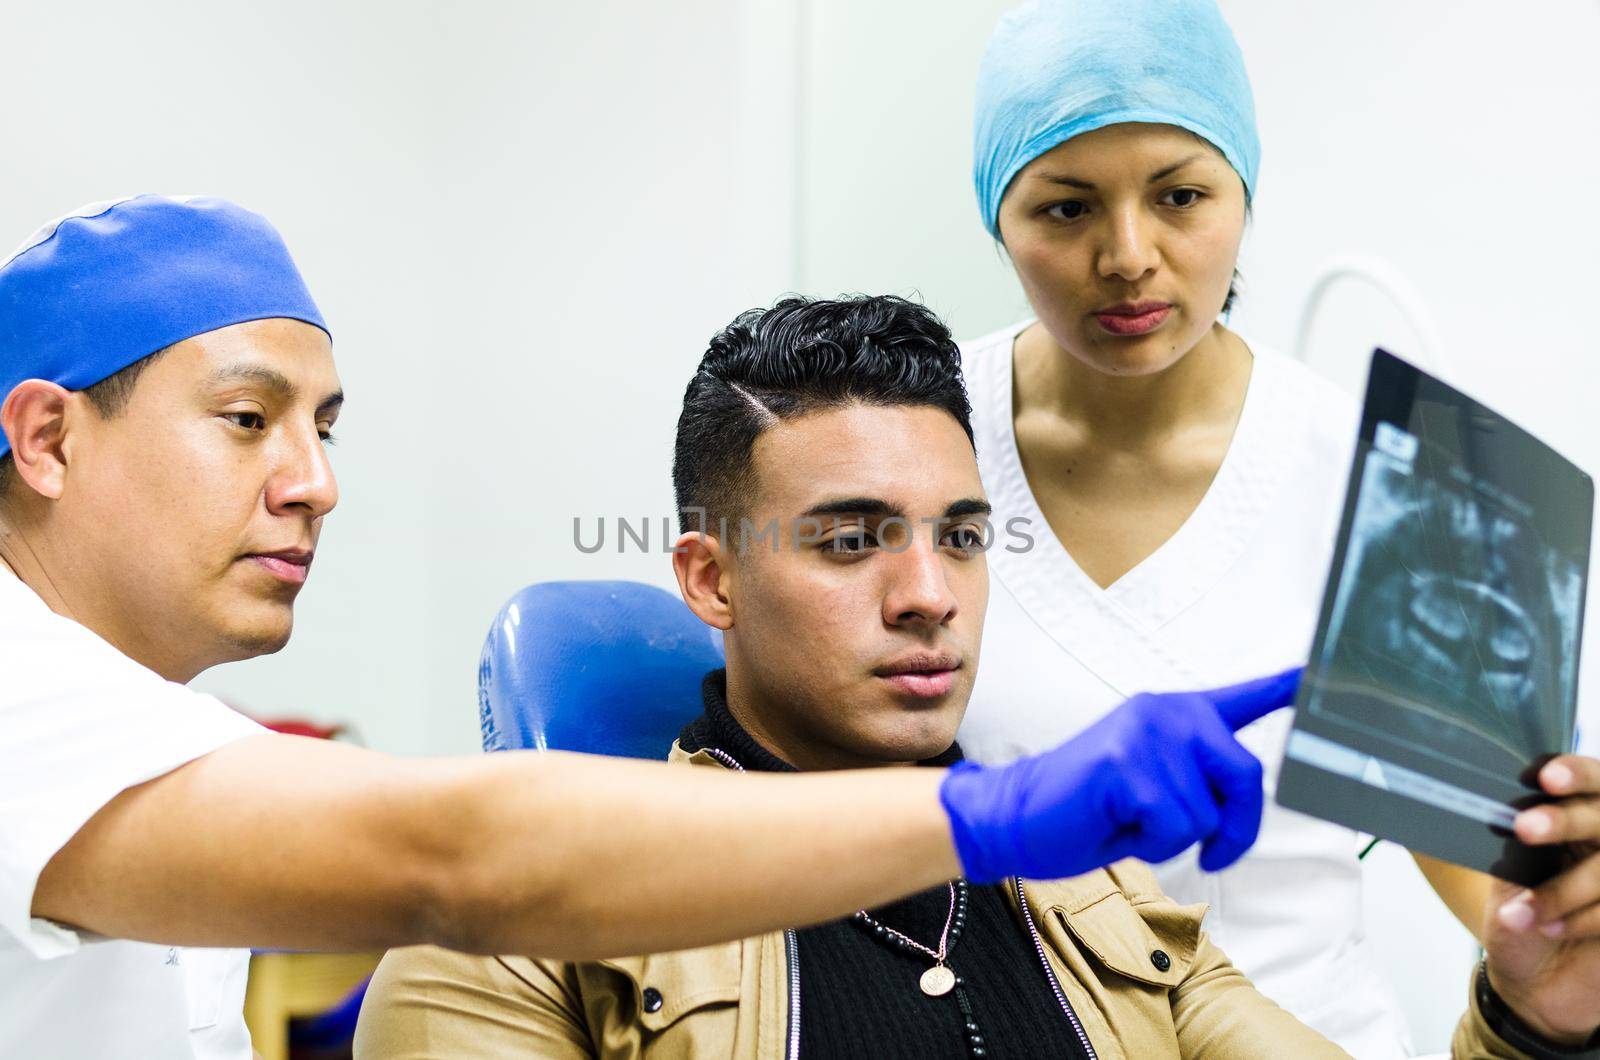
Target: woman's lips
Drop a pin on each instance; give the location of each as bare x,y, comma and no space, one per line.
925,684
1134,324
284,570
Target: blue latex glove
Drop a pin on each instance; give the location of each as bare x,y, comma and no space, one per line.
1147,781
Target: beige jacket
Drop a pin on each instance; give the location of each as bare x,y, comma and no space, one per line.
736,999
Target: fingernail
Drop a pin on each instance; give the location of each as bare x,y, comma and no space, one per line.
1557,776
1538,825
1517,914
1552,930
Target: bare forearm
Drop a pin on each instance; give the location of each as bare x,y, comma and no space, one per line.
278,841
272,841
1463,891
580,857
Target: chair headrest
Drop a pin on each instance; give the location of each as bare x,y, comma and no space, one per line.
604,667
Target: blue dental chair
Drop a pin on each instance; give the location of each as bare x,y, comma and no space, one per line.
604,667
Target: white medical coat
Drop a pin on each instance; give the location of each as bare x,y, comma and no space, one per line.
79,723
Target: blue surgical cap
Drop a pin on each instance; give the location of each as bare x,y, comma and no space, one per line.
113,282
1057,68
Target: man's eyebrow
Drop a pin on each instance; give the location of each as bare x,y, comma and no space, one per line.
873,506
1074,182
876,507
272,379
260,375
968,506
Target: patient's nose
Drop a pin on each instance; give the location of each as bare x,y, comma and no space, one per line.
918,590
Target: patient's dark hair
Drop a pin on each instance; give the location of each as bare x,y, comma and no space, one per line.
109,397
802,355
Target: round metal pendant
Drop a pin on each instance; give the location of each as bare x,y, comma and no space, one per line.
938,981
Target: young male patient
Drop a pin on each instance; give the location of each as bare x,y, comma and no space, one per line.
834,527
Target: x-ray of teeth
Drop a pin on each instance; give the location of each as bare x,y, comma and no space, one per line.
1455,600
1444,670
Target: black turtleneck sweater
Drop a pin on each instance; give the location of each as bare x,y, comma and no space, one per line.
860,998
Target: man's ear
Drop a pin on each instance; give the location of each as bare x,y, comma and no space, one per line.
34,418
700,563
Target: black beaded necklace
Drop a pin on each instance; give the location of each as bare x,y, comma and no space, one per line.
938,980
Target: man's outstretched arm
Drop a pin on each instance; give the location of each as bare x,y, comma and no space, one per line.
281,841
291,842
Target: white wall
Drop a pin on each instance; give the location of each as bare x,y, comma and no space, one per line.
1456,139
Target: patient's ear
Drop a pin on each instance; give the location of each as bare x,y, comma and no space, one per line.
698,561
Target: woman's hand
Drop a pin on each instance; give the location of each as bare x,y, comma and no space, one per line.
1568,905
1544,944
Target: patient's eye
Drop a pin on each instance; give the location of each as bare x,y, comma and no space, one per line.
846,535
853,539
966,537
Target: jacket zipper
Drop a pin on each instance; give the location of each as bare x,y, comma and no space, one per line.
1049,973
791,950
791,944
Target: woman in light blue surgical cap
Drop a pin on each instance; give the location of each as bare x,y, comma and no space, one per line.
1181,483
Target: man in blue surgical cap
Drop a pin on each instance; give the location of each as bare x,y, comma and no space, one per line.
167,385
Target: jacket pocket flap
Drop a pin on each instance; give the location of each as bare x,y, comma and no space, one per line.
1153,943
667,986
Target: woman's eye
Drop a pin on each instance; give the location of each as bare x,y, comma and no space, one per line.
1070,210
1183,197
250,421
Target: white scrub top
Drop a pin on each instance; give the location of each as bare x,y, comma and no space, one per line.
1234,594
80,722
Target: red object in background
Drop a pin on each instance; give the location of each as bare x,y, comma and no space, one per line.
298,727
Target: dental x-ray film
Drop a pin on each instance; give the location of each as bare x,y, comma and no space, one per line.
1445,667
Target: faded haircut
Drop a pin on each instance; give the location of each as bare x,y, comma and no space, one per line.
802,355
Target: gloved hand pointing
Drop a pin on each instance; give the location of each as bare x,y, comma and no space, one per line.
1150,779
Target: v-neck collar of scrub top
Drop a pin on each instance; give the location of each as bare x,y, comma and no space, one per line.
1113,631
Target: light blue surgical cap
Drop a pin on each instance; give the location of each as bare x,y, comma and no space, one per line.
1058,68
113,282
